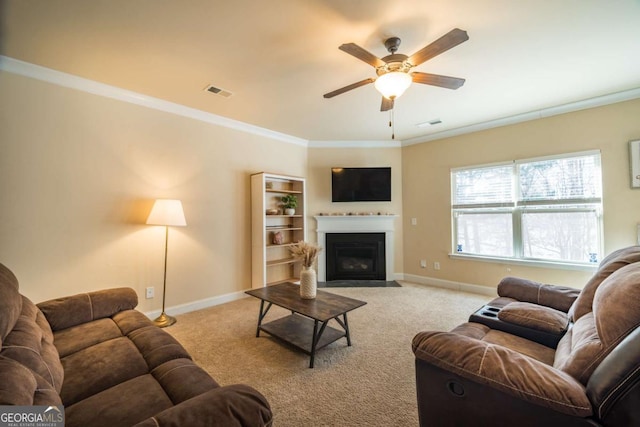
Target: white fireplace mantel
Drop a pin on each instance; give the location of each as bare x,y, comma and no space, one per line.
356,224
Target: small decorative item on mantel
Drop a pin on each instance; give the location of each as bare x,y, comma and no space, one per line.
307,253
289,203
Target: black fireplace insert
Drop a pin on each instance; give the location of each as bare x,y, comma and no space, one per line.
355,256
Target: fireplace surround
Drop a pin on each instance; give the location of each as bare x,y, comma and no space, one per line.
328,224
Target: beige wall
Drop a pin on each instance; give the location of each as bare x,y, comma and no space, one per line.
78,175
426,187
320,162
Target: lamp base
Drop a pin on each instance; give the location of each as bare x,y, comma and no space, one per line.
164,320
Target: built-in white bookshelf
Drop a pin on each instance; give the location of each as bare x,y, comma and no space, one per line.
271,261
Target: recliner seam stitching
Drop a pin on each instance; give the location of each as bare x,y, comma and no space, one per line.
173,369
484,354
90,305
610,394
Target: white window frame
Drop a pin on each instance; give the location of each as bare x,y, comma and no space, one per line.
517,207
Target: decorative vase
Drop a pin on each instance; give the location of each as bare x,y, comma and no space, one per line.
289,211
308,283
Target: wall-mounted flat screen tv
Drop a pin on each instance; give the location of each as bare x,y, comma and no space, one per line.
361,184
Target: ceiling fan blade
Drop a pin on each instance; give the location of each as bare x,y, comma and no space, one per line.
451,39
349,87
437,80
387,104
362,54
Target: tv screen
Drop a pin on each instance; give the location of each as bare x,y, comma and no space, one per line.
361,184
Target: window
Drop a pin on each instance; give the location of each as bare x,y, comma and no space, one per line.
547,209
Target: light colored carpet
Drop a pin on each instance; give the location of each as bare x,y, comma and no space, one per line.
371,383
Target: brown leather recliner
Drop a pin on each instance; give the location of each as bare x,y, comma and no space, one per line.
542,312
476,375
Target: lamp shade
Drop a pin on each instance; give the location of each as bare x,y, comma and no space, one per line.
392,85
167,212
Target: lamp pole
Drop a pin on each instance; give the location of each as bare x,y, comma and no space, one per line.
164,319
166,212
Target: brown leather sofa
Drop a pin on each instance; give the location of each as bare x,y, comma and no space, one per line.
109,365
479,375
542,312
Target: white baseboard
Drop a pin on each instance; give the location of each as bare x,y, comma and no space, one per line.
198,305
420,280
448,284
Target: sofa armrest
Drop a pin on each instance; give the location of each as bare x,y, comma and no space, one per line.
534,316
503,369
65,312
554,296
234,405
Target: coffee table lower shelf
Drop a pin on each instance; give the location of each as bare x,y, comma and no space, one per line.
299,331
307,327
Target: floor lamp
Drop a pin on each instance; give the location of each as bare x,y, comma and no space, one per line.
166,212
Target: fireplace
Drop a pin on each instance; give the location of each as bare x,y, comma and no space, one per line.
357,224
355,256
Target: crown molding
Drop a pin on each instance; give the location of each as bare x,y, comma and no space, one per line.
59,78
584,104
71,81
354,144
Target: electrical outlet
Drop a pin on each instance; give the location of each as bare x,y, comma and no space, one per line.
423,263
150,292
414,221
436,265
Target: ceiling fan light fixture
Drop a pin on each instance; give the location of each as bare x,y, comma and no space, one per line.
393,84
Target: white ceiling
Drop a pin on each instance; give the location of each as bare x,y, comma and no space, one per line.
278,57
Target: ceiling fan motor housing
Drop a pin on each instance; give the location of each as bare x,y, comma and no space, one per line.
394,62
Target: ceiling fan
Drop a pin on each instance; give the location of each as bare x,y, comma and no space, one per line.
393,71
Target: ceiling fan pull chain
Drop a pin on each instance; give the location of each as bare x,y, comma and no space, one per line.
392,124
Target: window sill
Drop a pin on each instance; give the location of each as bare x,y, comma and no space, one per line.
528,263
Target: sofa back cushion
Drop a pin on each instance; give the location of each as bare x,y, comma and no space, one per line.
66,312
616,313
30,369
10,302
614,261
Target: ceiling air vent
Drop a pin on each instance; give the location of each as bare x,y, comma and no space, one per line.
429,123
218,91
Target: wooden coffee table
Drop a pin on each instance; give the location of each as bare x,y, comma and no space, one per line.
306,328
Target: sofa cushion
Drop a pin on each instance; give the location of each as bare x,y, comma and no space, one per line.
558,297
72,340
616,313
10,302
124,404
613,262
31,343
156,346
99,367
578,348
74,310
535,316
233,405
182,379
484,333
